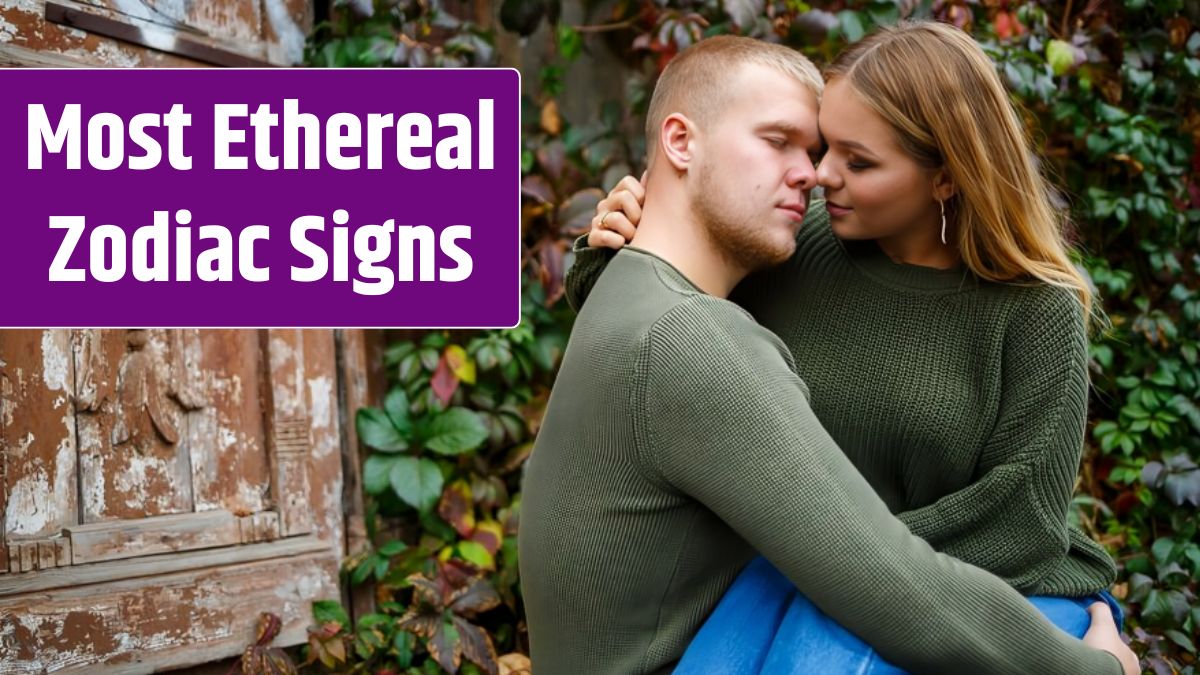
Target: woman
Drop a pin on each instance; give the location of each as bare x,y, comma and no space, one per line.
941,327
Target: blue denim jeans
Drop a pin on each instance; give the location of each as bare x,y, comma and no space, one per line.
764,625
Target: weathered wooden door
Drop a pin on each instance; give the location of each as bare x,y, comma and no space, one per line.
161,488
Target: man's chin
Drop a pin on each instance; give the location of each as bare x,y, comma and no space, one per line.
775,256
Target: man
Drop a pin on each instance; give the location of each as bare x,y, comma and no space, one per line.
678,439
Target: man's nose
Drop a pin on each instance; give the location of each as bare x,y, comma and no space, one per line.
803,175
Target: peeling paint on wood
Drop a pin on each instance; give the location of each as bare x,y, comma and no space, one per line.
37,442
207,613
275,29
255,415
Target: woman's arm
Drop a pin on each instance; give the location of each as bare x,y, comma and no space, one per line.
1026,472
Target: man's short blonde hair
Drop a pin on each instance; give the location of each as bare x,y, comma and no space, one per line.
699,81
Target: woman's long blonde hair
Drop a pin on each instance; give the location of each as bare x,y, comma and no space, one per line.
941,94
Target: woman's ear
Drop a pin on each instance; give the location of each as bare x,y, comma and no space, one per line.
943,186
676,136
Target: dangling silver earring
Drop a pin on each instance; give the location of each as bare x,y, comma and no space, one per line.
943,205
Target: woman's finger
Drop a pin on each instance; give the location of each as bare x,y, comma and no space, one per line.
618,223
633,186
629,206
598,238
602,207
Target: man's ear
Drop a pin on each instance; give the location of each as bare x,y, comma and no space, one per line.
676,137
943,185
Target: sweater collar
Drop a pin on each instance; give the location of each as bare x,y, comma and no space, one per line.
868,257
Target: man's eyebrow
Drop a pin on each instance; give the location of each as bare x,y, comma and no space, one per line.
784,126
792,129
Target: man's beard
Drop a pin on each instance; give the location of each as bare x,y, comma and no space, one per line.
744,243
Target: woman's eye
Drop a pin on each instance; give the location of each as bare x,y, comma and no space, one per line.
777,142
857,166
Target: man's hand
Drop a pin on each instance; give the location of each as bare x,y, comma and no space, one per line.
618,214
1102,634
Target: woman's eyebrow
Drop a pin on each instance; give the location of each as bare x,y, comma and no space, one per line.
852,145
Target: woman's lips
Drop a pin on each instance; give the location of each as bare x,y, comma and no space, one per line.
836,209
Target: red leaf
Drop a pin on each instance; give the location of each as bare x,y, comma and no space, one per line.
444,382
456,507
445,646
477,645
268,627
489,534
551,255
475,599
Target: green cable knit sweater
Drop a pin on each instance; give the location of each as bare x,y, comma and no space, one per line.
962,402
677,442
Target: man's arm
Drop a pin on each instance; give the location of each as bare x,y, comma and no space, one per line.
1027,469
725,420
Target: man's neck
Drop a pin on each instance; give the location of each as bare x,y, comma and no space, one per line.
672,233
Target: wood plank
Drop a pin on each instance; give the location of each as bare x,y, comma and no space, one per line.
288,429
22,57
178,619
135,568
133,454
325,458
102,21
222,371
98,542
38,464
360,383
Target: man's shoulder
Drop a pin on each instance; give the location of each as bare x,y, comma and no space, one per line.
699,330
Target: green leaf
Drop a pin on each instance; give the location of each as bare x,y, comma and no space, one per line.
1188,409
1140,586
1110,114
475,553
375,429
851,25
396,407
570,43
417,482
1165,608
372,620
1128,382
363,570
392,548
455,431
1162,550
1060,56
376,472
403,644
1181,640
330,611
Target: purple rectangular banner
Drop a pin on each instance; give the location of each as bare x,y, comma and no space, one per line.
260,198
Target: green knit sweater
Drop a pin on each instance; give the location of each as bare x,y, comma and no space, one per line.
677,442
962,402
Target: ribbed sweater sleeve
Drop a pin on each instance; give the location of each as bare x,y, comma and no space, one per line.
583,273
720,416
1026,473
